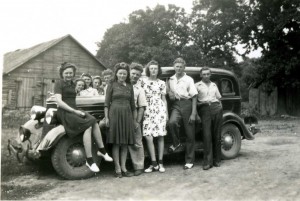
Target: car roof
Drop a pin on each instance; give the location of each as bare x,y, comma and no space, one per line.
196,70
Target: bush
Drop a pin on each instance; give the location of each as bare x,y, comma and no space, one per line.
14,118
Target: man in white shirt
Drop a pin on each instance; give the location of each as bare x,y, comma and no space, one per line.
137,150
183,95
211,113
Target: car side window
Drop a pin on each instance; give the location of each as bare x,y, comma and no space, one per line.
227,87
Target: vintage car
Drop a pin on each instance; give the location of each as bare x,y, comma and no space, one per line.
42,136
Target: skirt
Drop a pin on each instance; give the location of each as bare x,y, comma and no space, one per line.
74,124
121,127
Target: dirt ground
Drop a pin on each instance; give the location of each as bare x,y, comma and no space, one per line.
267,168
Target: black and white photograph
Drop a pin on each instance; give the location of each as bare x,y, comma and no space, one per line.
150,100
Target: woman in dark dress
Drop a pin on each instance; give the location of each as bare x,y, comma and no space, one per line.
75,121
120,113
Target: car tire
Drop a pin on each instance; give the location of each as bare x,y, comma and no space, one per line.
68,158
230,141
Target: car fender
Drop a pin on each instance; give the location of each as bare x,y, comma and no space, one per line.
51,138
230,117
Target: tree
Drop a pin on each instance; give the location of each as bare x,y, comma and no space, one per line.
159,34
215,26
274,26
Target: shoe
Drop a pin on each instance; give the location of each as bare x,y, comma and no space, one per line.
173,148
93,167
118,174
161,168
105,156
206,167
138,172
188,166
151,168
217,164
127,174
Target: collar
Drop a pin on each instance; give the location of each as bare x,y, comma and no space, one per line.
175,78
202,83
68,83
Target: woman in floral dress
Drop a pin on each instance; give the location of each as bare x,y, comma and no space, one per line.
156,114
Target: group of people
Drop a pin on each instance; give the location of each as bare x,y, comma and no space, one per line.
136,107
87,85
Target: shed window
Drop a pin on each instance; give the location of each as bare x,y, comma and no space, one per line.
227,88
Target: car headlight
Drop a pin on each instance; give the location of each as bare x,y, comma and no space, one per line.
37,112
51,116
24,134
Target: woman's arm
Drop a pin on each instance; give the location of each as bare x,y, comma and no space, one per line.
65,106
163,97
108,97
132,103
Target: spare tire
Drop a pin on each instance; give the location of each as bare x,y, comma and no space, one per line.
68,158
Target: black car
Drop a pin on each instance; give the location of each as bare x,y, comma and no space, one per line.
42,136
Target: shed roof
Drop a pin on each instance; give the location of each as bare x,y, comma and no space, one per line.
15,59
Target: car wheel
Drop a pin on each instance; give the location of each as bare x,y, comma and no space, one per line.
68,158
230,141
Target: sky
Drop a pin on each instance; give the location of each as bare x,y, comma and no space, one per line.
25,23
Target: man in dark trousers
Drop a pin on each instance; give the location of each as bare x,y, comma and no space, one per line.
210,110
183,95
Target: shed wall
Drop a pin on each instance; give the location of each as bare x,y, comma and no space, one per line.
29,83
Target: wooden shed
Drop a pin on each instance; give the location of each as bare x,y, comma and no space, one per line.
28,74
268,100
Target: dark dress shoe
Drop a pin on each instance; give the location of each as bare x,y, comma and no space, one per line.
127,174
217,164
206,167
138,172
118,174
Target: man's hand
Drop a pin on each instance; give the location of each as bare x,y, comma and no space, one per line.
171,96
192,119
136,125
198,119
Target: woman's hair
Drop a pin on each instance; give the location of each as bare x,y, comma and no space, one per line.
65,66
136,66
179,60
82,80
152,62
87,75
97,77
122,66
107,72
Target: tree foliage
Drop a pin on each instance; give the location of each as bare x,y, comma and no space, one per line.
274,26
215,27
209,35
159,34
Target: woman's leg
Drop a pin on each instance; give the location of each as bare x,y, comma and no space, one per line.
161,144
124,150
97,135
116,157
87,142
151,148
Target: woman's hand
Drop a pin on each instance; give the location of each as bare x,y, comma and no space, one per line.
107,122
79,113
